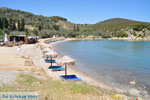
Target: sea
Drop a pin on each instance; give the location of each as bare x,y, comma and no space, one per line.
113,62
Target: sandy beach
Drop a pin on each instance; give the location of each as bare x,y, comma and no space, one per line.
86,78
30,60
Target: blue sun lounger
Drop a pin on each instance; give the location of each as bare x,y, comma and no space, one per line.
57,69
70,77
50,67
49,61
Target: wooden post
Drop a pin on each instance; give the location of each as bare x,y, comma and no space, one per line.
51,61
65,70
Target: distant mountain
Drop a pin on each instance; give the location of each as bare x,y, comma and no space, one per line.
115,24
35,20
49,26
48,22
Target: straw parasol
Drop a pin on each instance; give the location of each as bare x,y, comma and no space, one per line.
66,61
51,54
46,50
43,45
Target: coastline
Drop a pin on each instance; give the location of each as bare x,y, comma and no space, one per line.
86,79
94,82
114,38
33,54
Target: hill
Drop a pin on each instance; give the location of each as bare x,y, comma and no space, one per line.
35,20
115,24
16,20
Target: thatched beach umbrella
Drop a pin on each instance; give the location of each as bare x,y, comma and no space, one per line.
45,46
46,50
51,54
66,61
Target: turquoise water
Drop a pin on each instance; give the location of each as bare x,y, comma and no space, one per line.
112,62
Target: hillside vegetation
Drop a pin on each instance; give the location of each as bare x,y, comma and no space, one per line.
115,24
16,22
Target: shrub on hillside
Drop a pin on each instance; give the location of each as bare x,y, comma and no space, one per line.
1,32
133,33
48,33
106,35
140,27
140,35
122,34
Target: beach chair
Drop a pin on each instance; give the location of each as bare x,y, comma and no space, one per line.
70,78
49,61
50,67
58,69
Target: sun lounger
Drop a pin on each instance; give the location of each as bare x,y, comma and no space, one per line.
57,69
54,67
49,61
70,77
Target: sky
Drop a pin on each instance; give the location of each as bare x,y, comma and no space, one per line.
84,11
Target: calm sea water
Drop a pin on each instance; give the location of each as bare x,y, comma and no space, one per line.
112,62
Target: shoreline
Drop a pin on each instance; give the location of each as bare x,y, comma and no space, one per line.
114,38
94,82
32,53
85,78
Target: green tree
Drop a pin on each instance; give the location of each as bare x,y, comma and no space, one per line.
78,27
1,23
86,25
5,23
71,35
148,27
56,27
122,34
74,28
106,35
18,25
57,18
35,32
140,27
22,26
1,32
14,26
27,35
10,25
39,28
6,31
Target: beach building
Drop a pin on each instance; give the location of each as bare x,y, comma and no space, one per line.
19,38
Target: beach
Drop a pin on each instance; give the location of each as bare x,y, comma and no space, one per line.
88,79
127,87
30,61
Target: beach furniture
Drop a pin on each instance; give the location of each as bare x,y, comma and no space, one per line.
50,54
66,61
70,78
58,69
50,61
46,50
54,67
